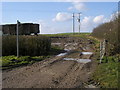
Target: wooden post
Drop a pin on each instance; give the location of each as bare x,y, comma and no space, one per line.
100,52
17,33
102,49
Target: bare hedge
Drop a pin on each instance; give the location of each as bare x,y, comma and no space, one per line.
110,32
28,45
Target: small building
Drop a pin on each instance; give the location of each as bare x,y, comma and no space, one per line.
24,29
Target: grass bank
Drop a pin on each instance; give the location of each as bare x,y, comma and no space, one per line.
106,73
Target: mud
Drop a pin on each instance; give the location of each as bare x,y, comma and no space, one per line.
54,72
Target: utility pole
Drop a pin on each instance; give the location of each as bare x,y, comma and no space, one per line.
17,33
79,21
73,23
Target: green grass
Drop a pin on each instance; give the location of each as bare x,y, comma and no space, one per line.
13,61
107,72
68,34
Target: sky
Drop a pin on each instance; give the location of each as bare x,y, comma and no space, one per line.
56,17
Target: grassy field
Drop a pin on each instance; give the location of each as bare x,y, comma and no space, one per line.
68,35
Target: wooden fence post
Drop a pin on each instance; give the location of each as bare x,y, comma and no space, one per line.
102,49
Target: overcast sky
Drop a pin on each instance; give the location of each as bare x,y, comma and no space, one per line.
56,17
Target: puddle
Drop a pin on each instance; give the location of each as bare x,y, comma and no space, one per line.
67,49
62,54
69,59
56,43
86,53
70,48
84,60
73,44
78,60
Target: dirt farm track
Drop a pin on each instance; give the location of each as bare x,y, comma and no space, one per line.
67,70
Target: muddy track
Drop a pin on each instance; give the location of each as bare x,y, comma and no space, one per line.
54,72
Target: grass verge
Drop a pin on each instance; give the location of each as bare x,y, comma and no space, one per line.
12,61
107,72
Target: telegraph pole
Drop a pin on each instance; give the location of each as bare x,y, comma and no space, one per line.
79,21
73,23
17,33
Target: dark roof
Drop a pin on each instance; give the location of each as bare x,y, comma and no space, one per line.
21,23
